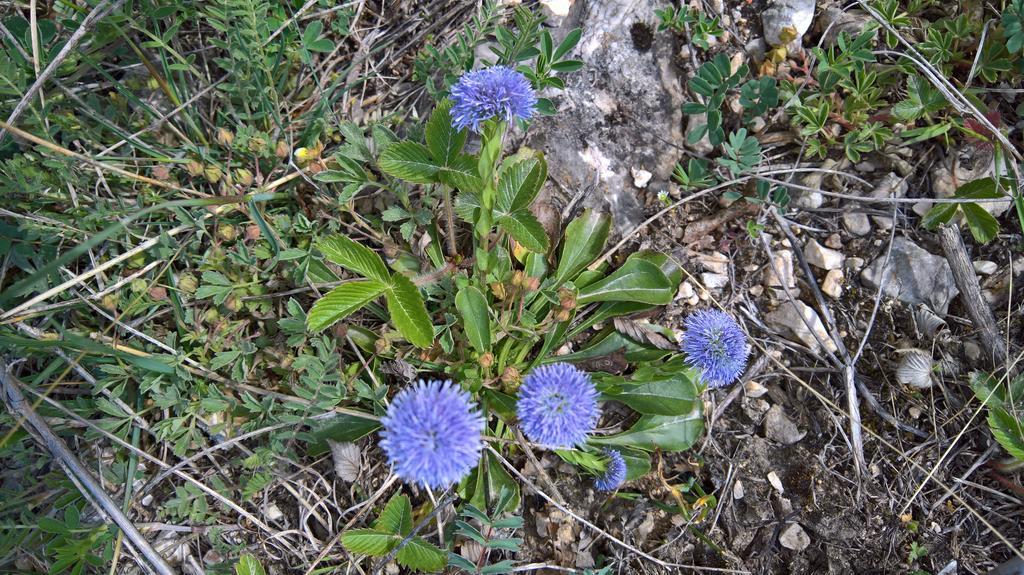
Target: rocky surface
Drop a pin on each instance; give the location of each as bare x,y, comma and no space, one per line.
623,115
913,276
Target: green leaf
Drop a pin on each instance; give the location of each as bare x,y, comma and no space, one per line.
408,312
341,428
524,228
567,43
1008,431
472,305
341,302
519,183
409,161
443,140
369,542
637,280
939,214
668,433
419,555
498,482
672,396
984,226
461,174
638,463
396,517
354,257
584,239
249,565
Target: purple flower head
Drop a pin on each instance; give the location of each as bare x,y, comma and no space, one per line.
497,91
614,474
715,344
557,406
432,434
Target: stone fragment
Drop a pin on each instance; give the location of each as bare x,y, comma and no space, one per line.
641,178
891,186
775,482
787,321
716,262
913,276
832,285
857,223
786,21
794,537
985,267
713,281
780,272
821,257
781,429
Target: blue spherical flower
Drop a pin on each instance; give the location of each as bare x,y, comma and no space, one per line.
432,434
715,344
614,474
557,406
497,91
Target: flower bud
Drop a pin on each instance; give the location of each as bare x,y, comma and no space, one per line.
562,315
382,345
109,301
243,177
518,278
212,173
486,360
233,303
194,169
225,137
158,293
227,232
511,378
257,145
211,315
252,232
532,283
282,151
188,283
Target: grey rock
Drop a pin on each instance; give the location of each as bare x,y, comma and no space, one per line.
821,257
789,321
832,285
891,186
985,267
794,537
913,276
782,14
622,110
779,428
857,223
834,21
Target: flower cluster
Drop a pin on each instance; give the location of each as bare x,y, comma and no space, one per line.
716,345
557,406
432,434
614,474
495,92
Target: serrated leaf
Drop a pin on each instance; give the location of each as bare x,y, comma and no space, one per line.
396,517
524,228
443,140
409,161
938,214
637,281
341,302
984,226
1008,431
249,565
355,257
466,205
519,184
583,241
408,312
422,556
369,542
472,306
